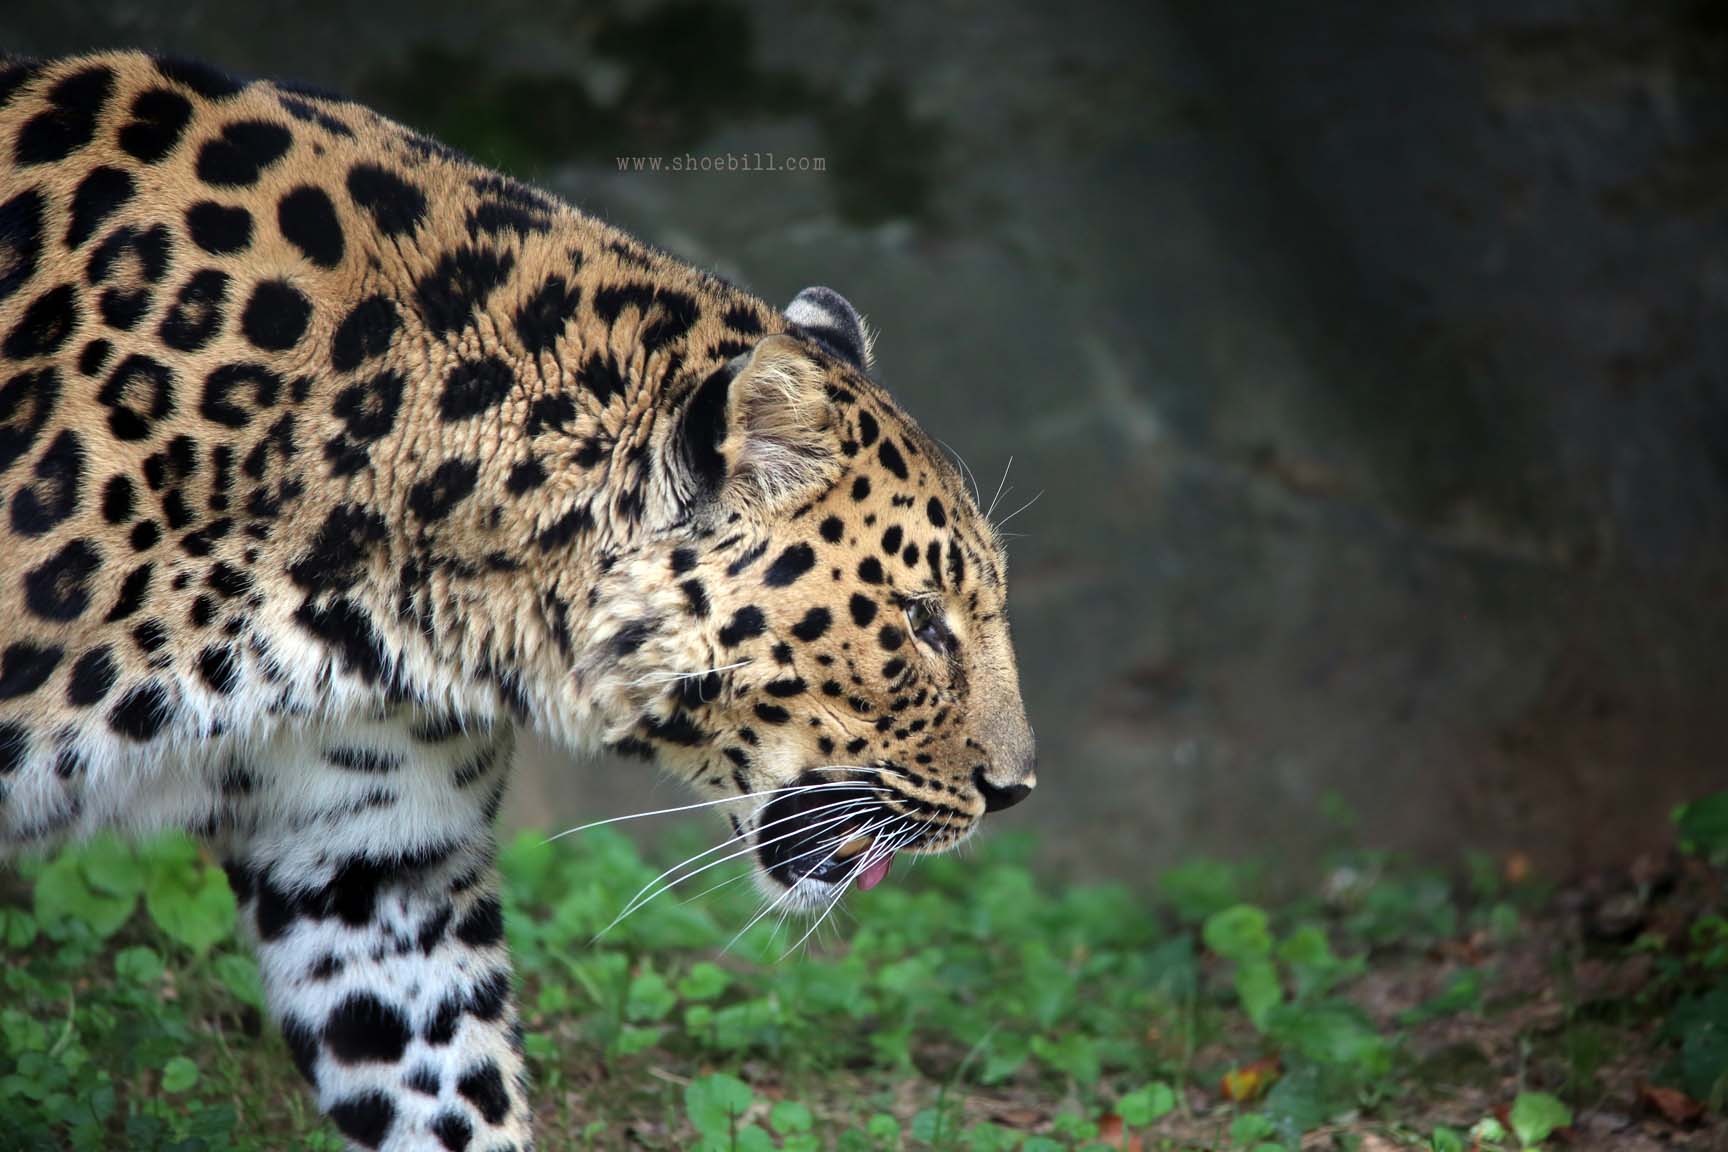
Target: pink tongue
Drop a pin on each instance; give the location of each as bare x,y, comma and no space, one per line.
874,872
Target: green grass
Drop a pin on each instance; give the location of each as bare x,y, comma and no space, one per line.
970,1006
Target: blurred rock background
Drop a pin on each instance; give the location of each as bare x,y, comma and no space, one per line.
1371,360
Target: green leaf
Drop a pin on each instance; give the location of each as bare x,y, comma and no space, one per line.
1074,1054
790,1116
1406,909
111,866
1462,993
138,965
1258,989
239,974
169,851
63,895
883,1127
933,1126
650,997
525,863
990,1138
191,904
1446,1140
1250,1127
714,1103
541,1048
1072,1126
634,1038
1143,1106
1700,1024
1332,1032
740,1026
178,1075
23,1033
1307,945
751,1139
1004,1058
1313,964
17,928
1503,923
1703,826
1535,1116
1239,933
704,982
1300,1102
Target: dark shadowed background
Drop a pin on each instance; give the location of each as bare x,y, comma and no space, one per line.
1371,360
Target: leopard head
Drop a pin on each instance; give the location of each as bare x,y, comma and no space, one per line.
841,662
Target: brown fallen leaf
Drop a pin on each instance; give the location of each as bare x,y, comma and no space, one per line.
1674,1105
1018,1118
1517,869
1373,1142
1112,1133
1250,1081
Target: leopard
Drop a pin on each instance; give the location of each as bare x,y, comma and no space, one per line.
331,459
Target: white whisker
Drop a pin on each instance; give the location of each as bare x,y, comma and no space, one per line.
999,484
829,843
1019,510
977,498
838,805
779,924
754,920
794,886
785,791
712,888
673,677
876,853
639,900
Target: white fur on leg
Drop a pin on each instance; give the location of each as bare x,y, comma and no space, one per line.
383,957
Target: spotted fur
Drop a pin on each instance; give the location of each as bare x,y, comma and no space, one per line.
328,458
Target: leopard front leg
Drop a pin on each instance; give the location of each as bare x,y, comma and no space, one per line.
380,938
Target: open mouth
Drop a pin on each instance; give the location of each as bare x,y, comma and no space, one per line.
832,832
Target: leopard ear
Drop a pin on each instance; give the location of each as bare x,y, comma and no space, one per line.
828,318
761,433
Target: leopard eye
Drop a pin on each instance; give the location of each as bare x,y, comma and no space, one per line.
924,620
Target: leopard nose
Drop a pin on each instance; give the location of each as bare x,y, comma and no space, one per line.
1000,796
